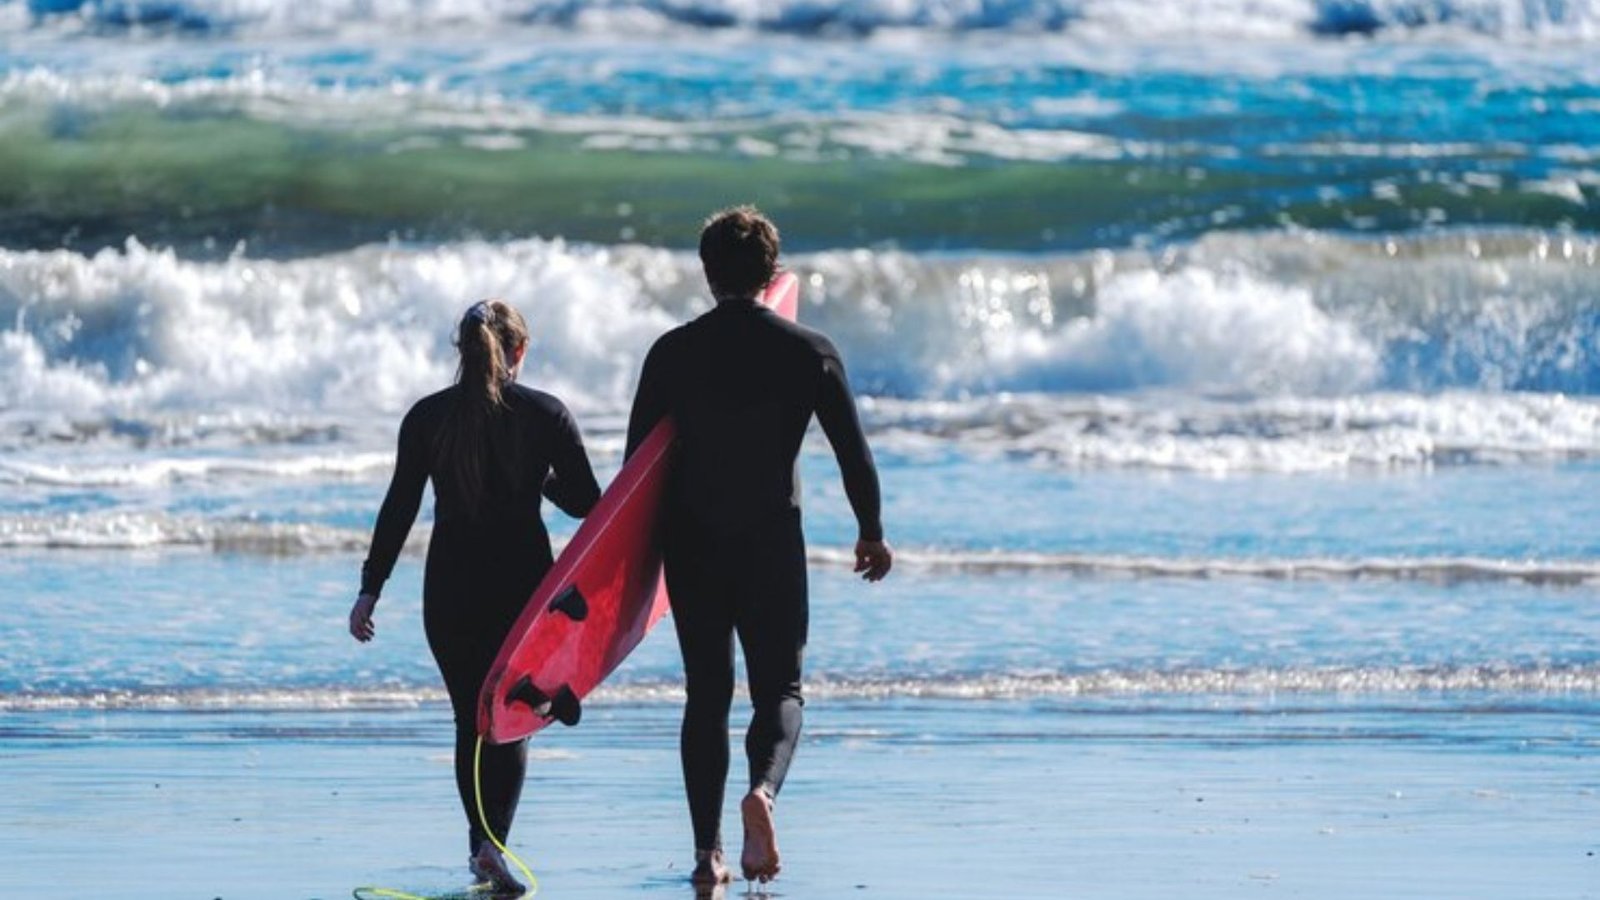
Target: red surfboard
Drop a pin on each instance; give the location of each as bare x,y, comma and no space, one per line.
601,597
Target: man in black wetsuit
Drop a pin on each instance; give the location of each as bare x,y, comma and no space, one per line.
742,384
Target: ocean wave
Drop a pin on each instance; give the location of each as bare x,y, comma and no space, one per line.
1544,19
1284,352
421,115
1475,682
1233,314
304,163
134,530
140,331
1221,435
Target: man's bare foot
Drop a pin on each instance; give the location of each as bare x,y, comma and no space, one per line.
709,869
760,857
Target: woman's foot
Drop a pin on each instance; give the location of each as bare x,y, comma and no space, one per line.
760,857
709,869
490,867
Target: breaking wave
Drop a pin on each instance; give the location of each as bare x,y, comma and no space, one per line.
1286,352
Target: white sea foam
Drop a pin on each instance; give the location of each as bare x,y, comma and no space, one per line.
1434,570
145,472
1275,352
1274,434
1470,684
132,332
1202,329
151,530
1262,314
134,530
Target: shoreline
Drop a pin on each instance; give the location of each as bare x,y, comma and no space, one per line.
905,799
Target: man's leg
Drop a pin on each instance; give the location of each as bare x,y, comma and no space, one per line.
772,622
704,623
774,649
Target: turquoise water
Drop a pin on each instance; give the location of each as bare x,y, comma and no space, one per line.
1015,581
930,141
1233,378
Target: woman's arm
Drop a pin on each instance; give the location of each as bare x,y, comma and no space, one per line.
570,484
399,508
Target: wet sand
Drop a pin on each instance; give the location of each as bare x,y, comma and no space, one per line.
913,799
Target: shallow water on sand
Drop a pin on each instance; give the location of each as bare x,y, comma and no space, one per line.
899,799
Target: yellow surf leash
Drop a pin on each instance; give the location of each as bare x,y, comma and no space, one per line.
483,820
371,893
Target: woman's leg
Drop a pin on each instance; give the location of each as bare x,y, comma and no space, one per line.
504,766
464,647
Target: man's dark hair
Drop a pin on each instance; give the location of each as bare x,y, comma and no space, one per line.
739,249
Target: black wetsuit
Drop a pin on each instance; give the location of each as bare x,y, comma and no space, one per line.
483,563
742,383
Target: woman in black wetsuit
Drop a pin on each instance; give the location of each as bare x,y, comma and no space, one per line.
491,447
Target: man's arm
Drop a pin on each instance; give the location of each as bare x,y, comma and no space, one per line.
836,410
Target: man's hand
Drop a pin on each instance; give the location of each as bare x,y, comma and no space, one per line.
874,559
361,624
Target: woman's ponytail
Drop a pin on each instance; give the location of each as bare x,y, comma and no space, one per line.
488,338
484,367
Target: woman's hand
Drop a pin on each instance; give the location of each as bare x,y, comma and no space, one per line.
361,624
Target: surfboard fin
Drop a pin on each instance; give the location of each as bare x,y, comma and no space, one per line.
525,691
571,604
564,707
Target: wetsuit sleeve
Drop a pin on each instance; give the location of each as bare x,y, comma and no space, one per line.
570,484
836,410
650,400
399,508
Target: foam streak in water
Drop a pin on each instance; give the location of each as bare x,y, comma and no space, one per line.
132,530
1374,431
1471,684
